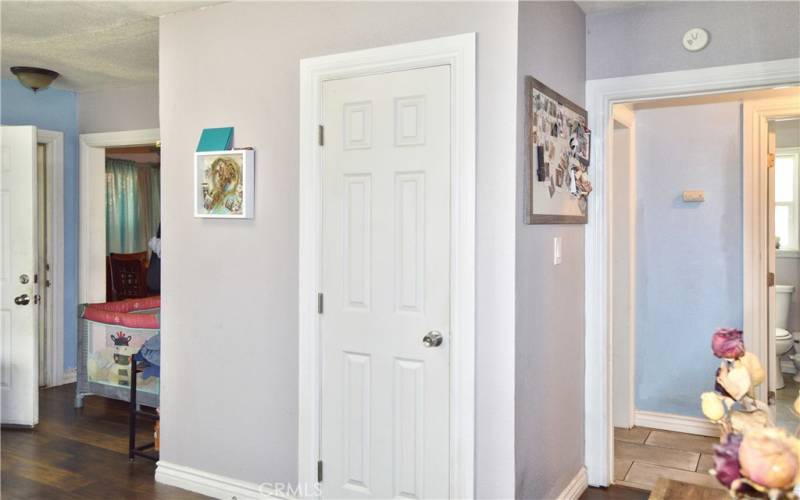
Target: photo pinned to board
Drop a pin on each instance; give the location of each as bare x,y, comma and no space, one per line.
558,148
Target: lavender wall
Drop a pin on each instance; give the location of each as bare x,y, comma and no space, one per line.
550,299
229,288
646,38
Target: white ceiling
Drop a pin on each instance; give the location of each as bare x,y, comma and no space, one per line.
92,44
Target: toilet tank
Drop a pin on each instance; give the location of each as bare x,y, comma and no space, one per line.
783,299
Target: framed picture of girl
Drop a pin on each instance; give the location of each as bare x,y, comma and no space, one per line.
223,184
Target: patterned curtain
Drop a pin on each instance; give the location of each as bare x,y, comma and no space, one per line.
132,205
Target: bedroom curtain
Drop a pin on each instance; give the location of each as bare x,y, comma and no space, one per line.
132,205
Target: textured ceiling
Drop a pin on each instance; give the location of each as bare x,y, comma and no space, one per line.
92,44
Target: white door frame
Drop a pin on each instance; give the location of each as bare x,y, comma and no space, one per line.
92,217
600,96
459,53
627,117
755,122
54,325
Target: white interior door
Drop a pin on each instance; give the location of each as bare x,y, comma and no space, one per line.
386,283
18,307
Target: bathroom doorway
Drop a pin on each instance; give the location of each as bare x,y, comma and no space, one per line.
784,260
678,243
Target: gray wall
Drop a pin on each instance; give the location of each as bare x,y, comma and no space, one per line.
230,287
647,38
112,110
688,255
550,299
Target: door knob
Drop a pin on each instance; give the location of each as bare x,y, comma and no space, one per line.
432,339
22,300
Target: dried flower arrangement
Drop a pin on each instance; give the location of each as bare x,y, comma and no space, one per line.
755,459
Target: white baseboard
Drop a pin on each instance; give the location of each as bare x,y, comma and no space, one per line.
213,485
70,376
65,377
787,366
576,487
676,423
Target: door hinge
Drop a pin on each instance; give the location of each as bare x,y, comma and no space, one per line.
771,160
321,135
320,303
319,471
770,279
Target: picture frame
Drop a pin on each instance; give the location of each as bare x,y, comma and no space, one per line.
224,184
557,153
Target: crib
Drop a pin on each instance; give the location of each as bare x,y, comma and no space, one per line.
109,335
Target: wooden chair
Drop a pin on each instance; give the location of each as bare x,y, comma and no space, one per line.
128,275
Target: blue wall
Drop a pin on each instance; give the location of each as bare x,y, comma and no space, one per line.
689,255
54,110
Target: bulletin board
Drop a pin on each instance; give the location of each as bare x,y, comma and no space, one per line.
557,148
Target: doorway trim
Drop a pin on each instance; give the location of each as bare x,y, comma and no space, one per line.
54,326
458,52
756,115
92,215
601,95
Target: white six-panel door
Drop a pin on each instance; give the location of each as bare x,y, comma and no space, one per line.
18,310
386,283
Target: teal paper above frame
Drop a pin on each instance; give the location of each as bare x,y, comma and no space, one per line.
215,139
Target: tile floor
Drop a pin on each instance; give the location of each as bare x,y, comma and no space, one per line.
642,455
784,399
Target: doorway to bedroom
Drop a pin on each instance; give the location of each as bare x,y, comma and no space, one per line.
132,222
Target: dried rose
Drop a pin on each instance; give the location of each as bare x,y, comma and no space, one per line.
768,457
718,387
727,343
753,366
712,406
726,459
796,404
735,381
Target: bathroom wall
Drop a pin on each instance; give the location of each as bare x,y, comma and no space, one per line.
56,110
549,343
689,255
787,268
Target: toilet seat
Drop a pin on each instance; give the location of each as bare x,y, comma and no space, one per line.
780,333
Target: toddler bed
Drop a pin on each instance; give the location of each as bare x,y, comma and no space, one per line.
109,335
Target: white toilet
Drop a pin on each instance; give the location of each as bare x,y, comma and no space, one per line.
783,339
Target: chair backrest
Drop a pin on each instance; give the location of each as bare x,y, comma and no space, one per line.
128,275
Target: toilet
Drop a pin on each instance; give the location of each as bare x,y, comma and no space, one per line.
783,339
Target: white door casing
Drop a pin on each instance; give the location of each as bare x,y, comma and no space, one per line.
601,95
92,237
385,279
19,371
770,252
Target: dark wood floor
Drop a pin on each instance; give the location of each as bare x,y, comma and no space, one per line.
83,454
615,493
78,454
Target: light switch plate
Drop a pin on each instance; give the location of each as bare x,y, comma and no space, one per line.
557,250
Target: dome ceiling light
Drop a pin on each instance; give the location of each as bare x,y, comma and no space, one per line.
34,78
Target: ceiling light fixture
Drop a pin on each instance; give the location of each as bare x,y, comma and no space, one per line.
34,78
